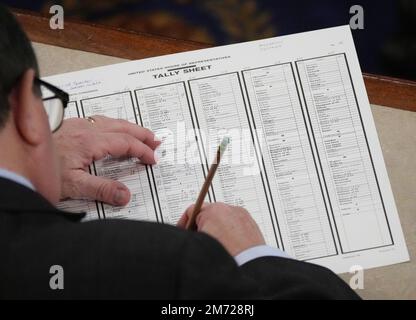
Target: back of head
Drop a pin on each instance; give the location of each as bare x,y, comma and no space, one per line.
16,56
24,127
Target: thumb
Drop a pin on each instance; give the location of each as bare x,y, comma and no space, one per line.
106,190
182,221
185,217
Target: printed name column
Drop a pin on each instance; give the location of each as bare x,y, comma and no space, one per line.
344,154
296,190
178,175
77,206
219,106
130,172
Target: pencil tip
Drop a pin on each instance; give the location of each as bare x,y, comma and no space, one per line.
225,141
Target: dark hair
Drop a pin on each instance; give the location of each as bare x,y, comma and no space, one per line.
16,57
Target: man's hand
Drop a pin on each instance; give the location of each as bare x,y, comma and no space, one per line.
79,143
232,226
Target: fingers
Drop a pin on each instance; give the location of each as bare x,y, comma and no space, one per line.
101,189
183,221
106,136
217,211
123,145
123,126
209,212
187,215
80,142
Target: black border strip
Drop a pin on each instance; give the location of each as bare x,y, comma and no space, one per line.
151,169
257,156
76,107
134,112
316,167
319,158
310,146
366,140
196,138
368,148
141,120
89,167
93,165
101,204
202,142
146,165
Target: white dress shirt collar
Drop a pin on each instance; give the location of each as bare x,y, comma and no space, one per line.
7,174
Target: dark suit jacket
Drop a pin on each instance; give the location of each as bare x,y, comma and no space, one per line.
131,259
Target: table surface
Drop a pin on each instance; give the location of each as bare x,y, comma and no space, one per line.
81,45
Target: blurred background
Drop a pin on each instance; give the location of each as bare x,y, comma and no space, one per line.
386,45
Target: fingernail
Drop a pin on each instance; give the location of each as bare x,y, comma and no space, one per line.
156,157
121,196
157,139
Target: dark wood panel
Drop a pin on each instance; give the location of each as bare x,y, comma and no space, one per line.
391,92
101,39
396,93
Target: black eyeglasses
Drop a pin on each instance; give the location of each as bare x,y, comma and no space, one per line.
55,101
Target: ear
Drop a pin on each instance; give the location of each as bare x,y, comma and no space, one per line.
29,115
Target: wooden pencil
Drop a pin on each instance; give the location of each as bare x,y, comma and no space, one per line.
191,224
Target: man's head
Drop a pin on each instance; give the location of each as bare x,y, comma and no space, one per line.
26,145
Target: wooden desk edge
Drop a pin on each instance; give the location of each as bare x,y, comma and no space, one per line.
381,90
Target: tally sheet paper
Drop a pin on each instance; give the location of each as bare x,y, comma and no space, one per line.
313,174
